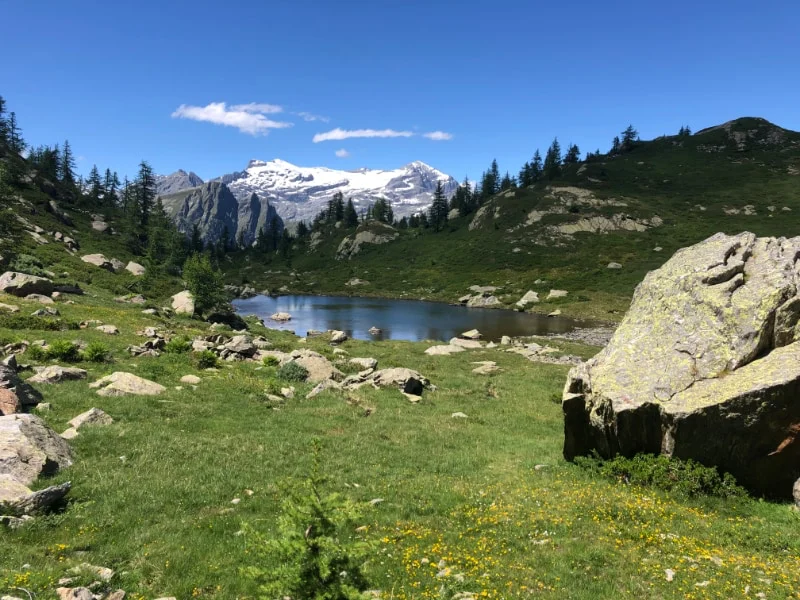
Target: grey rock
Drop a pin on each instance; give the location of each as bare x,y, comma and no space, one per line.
530,297
22,284
108,329
371,233
93,416
557,294
183,303
319,368
57,374
444,350
338,337
614,265
40,298
121,383
364,363
705,365
29,448
135,268
98,260
472,334
38,502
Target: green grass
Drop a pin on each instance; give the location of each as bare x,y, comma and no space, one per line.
152,493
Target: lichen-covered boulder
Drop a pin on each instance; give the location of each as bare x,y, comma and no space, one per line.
29,448
22,284
705,365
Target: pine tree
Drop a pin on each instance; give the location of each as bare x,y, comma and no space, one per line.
438,210
67,172
3,121
507,182
615,145
302,229
573,155
552,160
95,184
15,142
629,137
537,167
350,215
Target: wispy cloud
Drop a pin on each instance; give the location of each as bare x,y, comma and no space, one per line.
344,134
309,117
258,107
438,136
342,153
247,118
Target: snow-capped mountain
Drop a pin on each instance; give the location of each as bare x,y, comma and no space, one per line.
302,192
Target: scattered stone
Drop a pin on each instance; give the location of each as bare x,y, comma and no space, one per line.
287,393
530,297
483,289
56,374
120,383
40,298
42,407
100,226
557,294
183,303
116,595
555,313
70,433
319,368
9,308
46,312
364,363
135,268
9,402
409,381
327,384
481,301
705,365
340,351
338,337
657,249
15,391
239,347
98,260
79,593
458,415
190,379
93,416
314,333
468,344
796,493
29,448
487,367
614,265
443,350
117,265
281,317
356,281
374,331
149,311
505,341
472,334
108,329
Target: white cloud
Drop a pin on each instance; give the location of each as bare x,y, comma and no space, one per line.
257,107
342,153
247,118
343,134
438,136
307,116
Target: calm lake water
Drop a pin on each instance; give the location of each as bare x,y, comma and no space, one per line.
411,320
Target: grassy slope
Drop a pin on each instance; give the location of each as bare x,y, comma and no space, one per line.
667,177
151,493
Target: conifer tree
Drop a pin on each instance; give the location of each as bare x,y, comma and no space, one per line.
438,210
573,155
350,215
95,184
616,145
552,160
302,229
67,171
629,137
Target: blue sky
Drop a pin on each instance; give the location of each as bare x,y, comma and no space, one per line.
488,79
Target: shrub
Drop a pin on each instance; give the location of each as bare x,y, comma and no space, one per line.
205,283
686,478
12,321
25,263
272,386
317,550
178,345
96,352
293,371
64,350
36,353
271,361
205,359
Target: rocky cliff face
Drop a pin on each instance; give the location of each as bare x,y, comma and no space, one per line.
213,208
705,365
176,182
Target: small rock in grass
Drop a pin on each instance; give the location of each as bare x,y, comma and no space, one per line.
459,415
190,379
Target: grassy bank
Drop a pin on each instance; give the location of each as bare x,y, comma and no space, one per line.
484,504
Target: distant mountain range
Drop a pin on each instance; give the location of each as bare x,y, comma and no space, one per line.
299,193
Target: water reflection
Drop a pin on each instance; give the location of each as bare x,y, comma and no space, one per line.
412,320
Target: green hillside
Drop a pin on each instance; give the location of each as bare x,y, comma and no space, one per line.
696,185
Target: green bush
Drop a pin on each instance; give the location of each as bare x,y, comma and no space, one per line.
14,321
25,263
178,345
293,371
36,353
63,350
317,550
96,352
205,283
205,359
271,361
685,478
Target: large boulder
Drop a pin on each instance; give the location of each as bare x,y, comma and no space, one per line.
98,260
22,284
705,365
120,383
57,374
15,394
372,233
29,448
135,268
319,368
183,303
